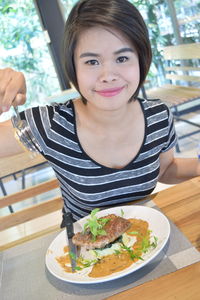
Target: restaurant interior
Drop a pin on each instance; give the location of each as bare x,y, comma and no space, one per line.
30,199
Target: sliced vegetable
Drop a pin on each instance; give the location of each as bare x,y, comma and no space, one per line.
95,225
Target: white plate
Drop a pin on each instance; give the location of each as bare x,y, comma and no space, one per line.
158,224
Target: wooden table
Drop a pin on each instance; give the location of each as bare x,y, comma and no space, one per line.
181,203
16,163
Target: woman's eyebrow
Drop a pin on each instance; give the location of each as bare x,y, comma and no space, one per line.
86,54
91,54
126,49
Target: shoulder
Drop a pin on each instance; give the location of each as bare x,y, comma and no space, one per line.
50,111
153,104
155,108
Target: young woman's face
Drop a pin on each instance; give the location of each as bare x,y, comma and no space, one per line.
107,68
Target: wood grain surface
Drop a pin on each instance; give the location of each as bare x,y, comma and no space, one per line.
180,285
181,203
18,162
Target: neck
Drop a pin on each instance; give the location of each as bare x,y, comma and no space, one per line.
90,115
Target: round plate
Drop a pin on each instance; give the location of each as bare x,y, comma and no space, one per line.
158,224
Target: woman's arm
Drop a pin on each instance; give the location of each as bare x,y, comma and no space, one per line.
175,170
12,93
9,144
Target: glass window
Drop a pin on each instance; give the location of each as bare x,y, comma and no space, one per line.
66,6
157,17
24,48
188,15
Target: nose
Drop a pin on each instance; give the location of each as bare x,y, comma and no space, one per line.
108,73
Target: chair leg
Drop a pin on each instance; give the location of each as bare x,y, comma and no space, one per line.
14,176
23,179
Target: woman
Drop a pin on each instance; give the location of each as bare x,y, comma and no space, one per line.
109,147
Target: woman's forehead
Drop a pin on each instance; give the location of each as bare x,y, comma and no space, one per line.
97,36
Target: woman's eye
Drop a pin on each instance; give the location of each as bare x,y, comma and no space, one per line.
92,62
122,59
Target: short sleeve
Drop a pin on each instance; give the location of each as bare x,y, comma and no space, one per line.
171,137
36,118
52,127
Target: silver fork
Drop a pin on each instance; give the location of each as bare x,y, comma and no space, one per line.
24,133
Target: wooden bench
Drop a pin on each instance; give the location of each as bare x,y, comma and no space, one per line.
182,93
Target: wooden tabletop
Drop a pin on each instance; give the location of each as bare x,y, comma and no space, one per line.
18,162
181,203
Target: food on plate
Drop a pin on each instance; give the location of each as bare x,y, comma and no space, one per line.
109,244
113,227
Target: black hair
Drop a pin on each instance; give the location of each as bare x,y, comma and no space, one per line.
120,15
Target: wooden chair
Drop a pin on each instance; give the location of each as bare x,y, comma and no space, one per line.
32,221
17,166
29,222
182,94
38,219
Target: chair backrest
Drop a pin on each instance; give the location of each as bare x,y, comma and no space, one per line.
34,211
13,226
33,221
183,62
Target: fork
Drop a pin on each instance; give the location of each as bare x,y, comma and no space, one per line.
24,133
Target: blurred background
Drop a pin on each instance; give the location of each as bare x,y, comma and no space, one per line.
31,35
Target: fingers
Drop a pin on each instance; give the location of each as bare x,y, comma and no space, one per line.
12,89
20,99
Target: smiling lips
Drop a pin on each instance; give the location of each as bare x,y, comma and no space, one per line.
110,92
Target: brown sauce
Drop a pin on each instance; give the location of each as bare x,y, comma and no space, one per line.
141,227
111,264
118,262
65,259
114,262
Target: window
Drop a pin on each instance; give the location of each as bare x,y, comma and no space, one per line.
24,48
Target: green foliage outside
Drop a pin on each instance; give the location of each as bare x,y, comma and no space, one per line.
190,31
22,47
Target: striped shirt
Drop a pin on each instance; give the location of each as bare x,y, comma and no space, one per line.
86,184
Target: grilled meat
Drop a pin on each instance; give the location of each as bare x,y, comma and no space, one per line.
115,227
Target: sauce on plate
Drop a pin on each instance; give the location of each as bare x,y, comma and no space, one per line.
118,261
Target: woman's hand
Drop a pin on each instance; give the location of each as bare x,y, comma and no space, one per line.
12,89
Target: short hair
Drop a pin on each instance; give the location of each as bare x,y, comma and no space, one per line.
120,15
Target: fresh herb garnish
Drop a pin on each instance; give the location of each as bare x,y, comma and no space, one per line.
134,232
147,244
72,255
85,263
133,255
117,252
122,213
95,225
155,243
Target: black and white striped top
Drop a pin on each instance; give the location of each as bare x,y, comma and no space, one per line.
86,184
